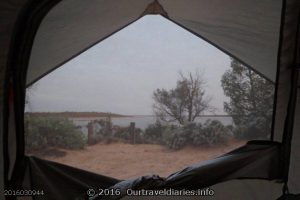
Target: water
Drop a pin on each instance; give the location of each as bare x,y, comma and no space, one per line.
144,121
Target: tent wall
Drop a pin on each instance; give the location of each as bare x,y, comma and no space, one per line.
62,35
9,11
75,25
248,30
294,176
294,173
286,62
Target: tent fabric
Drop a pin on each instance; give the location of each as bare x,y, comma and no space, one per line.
62,182
63,35
9,11
285,61
248,30
257,159
290,197
2,133
294,177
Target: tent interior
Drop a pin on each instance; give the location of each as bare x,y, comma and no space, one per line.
261,35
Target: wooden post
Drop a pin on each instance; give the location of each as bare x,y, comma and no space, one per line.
132,132
90,133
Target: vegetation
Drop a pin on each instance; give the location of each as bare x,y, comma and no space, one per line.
211,133
47,132
154,132
251,101
105,133
250,105
184,103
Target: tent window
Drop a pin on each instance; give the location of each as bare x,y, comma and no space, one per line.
152,98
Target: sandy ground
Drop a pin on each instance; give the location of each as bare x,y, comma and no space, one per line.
124,161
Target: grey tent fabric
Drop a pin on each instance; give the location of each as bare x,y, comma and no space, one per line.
1,134
248,30
12,151
63,35
286,59
9,11
53,177
294,173
294,177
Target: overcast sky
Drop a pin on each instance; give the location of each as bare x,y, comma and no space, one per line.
120,74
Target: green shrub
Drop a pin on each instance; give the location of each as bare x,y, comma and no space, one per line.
174,137
44,132
122,133
139,136
210,133
153,133
255,128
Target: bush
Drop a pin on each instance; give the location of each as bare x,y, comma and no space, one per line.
153,133
212,132
174,137
118,133
255,128
45,132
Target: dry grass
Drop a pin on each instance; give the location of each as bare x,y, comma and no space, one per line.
124,161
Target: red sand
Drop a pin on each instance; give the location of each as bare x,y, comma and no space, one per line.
123,161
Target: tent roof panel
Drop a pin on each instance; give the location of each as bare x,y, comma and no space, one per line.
230,26
63,35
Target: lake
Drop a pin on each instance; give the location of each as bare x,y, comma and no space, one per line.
144,121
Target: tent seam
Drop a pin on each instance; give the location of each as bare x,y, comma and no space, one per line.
218,47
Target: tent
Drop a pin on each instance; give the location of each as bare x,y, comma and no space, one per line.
39,36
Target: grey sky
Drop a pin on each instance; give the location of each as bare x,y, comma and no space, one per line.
120,74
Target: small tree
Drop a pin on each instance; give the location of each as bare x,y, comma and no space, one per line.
251,100
184,103
48,132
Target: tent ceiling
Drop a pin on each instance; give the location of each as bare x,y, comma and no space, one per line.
248,30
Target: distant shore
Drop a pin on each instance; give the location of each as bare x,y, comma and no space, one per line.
75,114
96,115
